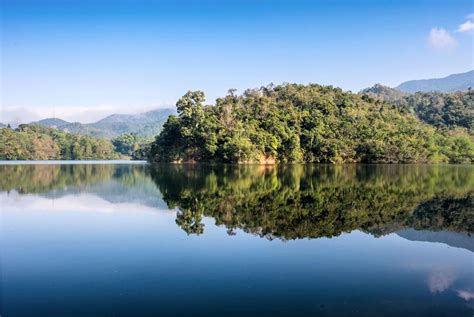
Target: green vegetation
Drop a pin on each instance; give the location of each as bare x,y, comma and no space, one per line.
442,110
30,142
311,201
129,144
304,123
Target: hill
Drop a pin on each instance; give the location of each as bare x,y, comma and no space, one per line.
51,122
143,124
451,83
146,124
442,110
385,93
303,123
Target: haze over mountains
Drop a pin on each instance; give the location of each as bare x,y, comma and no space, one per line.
145,124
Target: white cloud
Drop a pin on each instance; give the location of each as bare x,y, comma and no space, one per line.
466,26
470,16
466,295
439,281
439,38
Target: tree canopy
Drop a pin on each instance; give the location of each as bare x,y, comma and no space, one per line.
303,123
33,142
442,110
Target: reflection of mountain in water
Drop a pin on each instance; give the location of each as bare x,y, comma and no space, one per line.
453,239
284,202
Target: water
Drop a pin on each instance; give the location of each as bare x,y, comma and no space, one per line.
136,240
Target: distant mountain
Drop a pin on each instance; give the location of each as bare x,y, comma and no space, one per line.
51,122
455,82
145,124
2,125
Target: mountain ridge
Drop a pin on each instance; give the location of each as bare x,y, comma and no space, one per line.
146,124
450,83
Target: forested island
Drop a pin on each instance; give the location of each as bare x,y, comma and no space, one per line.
320,124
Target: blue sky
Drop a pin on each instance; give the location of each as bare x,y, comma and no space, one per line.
84,59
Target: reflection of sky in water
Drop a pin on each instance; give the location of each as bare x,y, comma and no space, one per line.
440,280
135,258
71,203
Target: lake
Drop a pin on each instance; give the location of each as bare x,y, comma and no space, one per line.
190,240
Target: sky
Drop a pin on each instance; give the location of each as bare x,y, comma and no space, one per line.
82,60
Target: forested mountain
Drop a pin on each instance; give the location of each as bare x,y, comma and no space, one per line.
146,124
442,110
304,123
455,82
34,142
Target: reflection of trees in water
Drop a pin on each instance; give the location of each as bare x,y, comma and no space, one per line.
287,202
37,178
448,213
116,183
44,178
319,201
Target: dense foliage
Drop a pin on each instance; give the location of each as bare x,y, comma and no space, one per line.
129,144
30,142
442,110
303,123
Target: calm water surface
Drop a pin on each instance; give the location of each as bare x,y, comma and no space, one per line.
137,240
